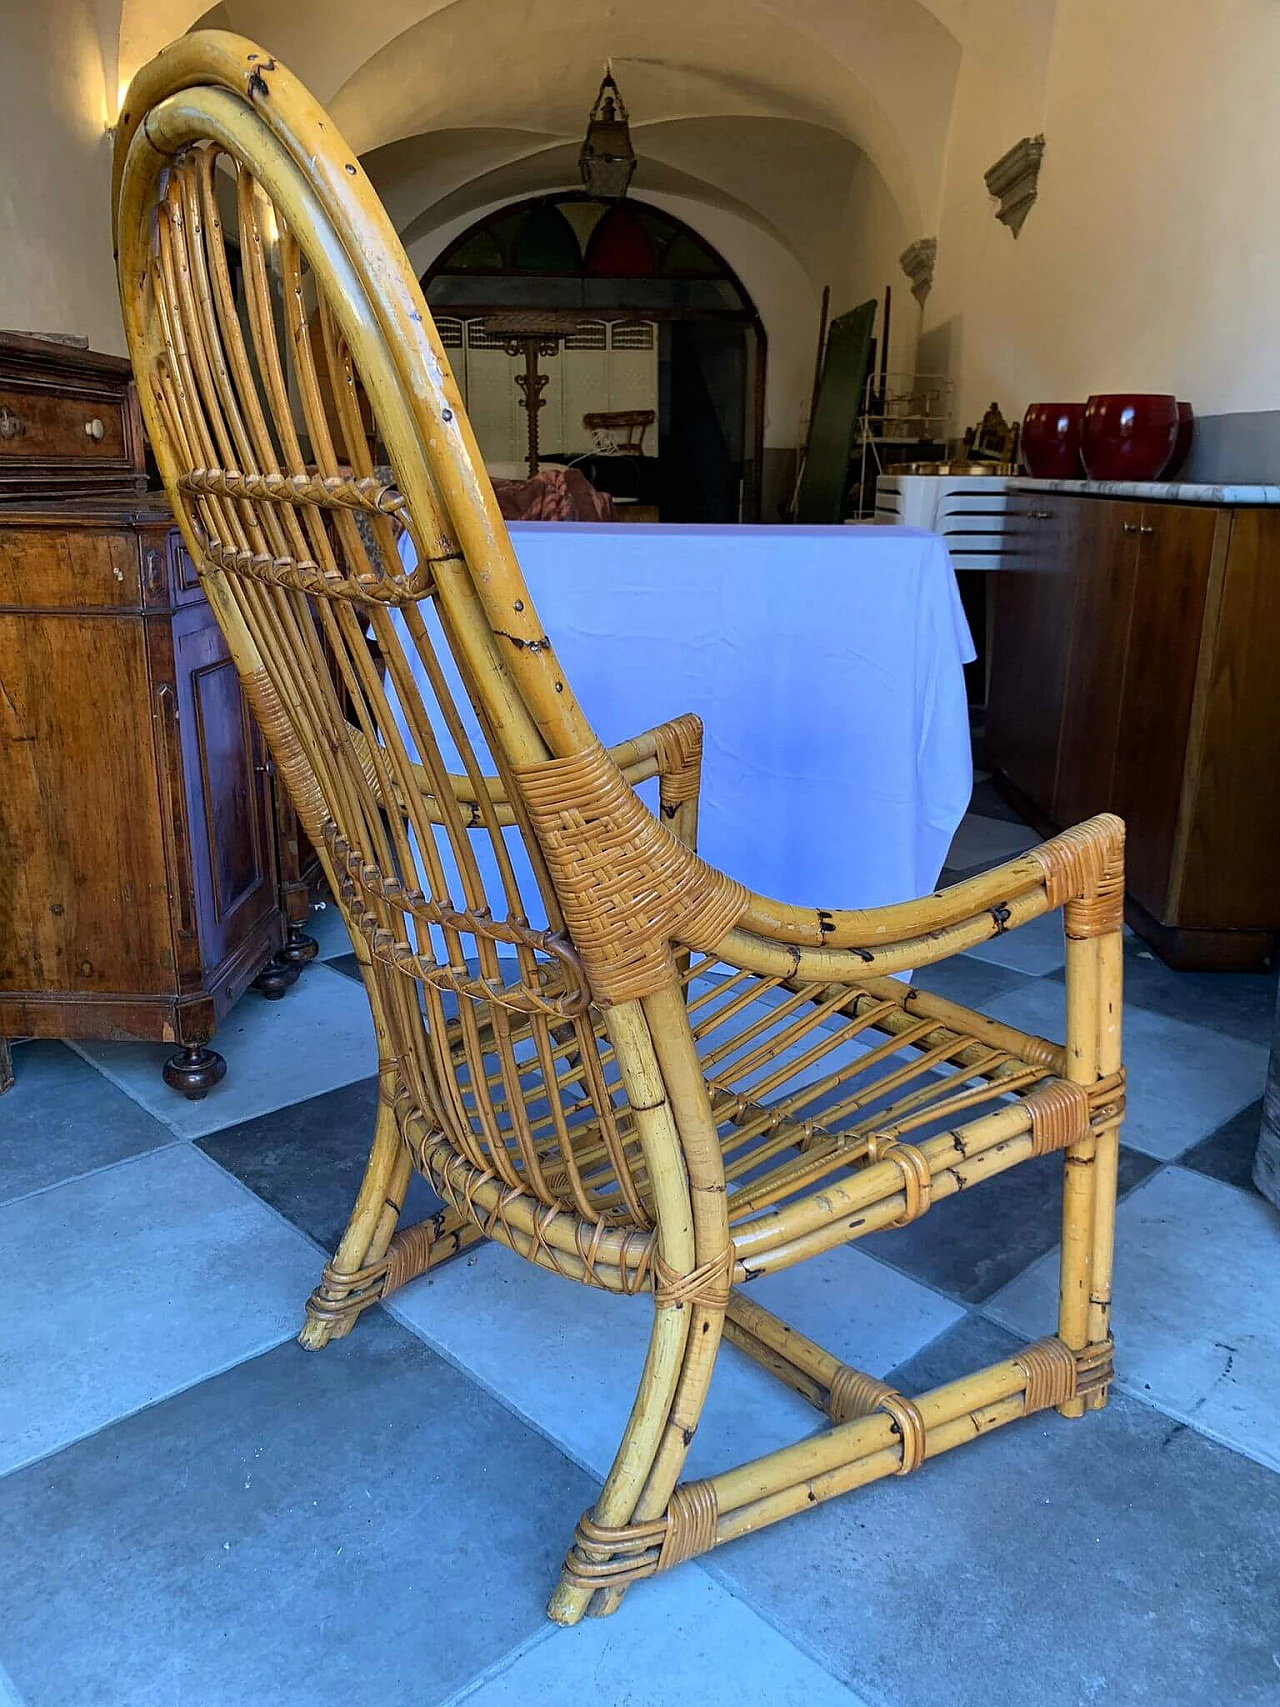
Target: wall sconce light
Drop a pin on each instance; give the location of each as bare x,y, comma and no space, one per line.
1014,181
917,261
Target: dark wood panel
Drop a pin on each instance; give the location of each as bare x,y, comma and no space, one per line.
226,791
1231,874
68,569
1030,642
1174,559
1103,551
84,904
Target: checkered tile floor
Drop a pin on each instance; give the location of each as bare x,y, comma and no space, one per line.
196,1511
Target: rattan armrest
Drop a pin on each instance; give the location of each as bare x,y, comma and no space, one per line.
1081,871
670,751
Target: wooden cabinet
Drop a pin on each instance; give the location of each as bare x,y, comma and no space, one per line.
148,876
1132,672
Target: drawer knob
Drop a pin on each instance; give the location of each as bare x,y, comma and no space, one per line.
11,426
1041,515
94,429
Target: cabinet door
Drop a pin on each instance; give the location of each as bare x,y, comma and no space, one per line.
1030,639
1175,553
84,903
1104,556
226,791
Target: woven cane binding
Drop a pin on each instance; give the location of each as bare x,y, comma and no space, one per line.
286,749
1059,1115
1062,1112
709,1284
680,760
1050,1369
626,884
854,1394
691,1523
1084,874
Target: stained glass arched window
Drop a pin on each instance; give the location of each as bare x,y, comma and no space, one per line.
584,253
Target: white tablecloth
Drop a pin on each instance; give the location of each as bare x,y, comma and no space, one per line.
825,663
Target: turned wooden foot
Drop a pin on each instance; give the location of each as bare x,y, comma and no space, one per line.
276,977
194,1071
300,948
6,1066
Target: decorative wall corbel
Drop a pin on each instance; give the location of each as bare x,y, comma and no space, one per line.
1014,180
917,262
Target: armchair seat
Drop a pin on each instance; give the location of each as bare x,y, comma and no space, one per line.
838,1111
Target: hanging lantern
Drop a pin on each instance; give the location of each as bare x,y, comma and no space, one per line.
607,160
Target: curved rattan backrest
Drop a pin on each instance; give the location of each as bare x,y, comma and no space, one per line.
389,695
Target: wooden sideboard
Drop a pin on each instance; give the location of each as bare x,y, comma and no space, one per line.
149,871
1134,670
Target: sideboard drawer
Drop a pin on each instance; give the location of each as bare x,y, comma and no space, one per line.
68,569
37,425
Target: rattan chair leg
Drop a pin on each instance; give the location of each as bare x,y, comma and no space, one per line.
346,1287
659,1380
681,1077
1079,1189
1107,1153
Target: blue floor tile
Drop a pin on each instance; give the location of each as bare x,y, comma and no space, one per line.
1049,1564
361,1525
63,1119
141,1279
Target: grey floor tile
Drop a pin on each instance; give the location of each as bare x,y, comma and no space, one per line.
983,841
348,965
973,1244
140,1280
1184,1080
569,1358
1196,1307
1242,1004
302,1531
1035,948
62,1119
715,1652
988,800
967,980
307,1160
1228,1154
1050,1564
317,1036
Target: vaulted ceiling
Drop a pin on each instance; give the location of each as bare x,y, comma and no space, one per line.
451,91
805,138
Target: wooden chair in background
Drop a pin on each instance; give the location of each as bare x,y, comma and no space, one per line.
674,1085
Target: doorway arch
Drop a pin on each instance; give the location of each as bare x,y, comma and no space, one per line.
614,274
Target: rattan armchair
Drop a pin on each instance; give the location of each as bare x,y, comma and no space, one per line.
673,1085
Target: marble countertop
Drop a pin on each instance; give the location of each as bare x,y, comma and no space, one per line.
1155,491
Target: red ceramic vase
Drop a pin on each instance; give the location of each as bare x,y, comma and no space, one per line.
1182,444
1051,441
1128,435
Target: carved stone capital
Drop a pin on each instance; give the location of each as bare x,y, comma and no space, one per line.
917,261
1014,180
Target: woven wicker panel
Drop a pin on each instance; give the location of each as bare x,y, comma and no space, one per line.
379,725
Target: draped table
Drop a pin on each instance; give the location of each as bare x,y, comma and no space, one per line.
826,664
